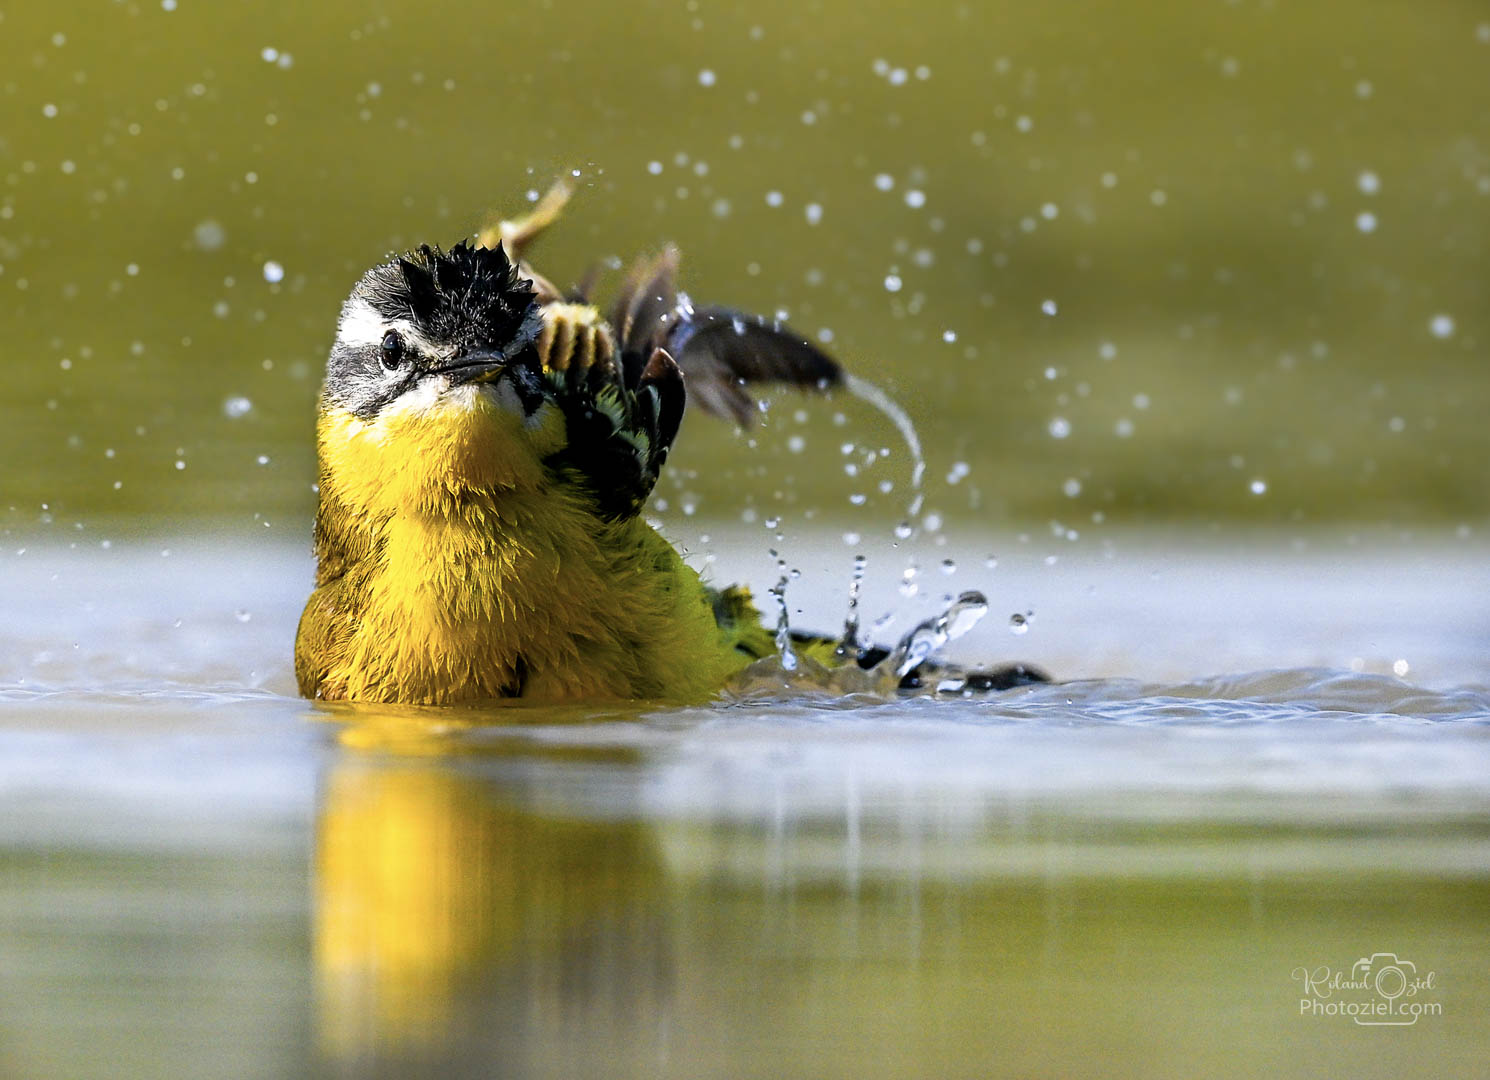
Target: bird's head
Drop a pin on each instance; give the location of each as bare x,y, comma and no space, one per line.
425,323
431,381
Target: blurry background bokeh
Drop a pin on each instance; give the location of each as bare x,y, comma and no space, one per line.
1208,274
1211,262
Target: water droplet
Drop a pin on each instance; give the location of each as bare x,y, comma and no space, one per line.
774,198
991,561
1441,326
273,272
236,406
1368,182
858,498
706,77
1258,486
1049,307
957,472
813,213
1071,488
904,530
892,283
1059,427
1020,624
1365,221
915,199
929,636
848,645
783,626
1400,668
949,336
243,616
948,566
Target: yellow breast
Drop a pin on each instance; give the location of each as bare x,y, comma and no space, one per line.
456,567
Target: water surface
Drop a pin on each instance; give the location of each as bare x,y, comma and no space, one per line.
203,875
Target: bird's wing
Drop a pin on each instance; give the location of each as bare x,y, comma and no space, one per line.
621,418
622,387
720,351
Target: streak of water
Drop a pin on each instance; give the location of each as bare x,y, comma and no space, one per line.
871,394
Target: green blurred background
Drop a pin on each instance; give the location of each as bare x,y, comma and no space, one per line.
1208,262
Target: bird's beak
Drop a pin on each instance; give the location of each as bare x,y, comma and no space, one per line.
473,365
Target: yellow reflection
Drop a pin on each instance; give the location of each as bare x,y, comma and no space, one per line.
428,882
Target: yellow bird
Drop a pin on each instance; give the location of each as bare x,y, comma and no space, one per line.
485,447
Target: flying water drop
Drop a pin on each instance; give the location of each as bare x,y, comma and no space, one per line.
849,645
783,623
935,633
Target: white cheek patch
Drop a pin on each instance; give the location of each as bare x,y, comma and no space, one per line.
361,326
425,396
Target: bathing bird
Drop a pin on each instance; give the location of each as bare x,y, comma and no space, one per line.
485,446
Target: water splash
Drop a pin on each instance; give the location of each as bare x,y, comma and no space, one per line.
935,633
784,649
850,645
871,394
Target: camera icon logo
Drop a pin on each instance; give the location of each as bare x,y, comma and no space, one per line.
1381,990
1387,975
1390,977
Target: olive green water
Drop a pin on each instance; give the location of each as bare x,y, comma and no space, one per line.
1188,307
1186,187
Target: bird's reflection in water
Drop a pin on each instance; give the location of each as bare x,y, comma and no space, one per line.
484,906
451,921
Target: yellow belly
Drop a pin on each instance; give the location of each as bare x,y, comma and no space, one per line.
533,599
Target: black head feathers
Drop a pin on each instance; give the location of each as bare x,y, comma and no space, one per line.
467,295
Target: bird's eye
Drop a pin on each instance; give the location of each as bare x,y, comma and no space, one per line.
393,350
